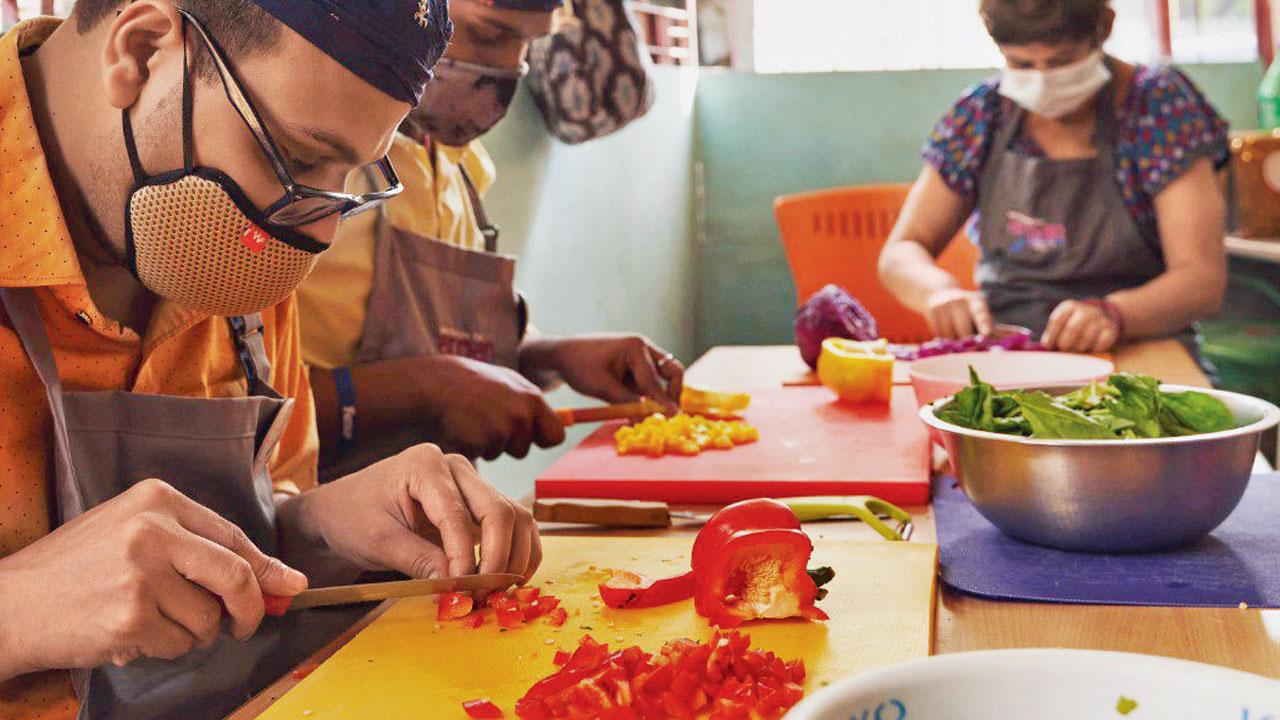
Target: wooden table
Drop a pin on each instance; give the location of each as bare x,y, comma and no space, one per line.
1244,639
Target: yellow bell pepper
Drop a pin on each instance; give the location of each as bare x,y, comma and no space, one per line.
858,372
696,400
683,434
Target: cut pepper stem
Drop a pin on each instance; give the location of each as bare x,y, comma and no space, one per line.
822,575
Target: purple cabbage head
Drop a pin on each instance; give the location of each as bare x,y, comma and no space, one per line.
831,312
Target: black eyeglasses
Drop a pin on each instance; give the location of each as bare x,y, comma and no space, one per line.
300,204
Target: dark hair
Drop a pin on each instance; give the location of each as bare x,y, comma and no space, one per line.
1019,22
240,27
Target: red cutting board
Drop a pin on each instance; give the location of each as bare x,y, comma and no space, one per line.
809,445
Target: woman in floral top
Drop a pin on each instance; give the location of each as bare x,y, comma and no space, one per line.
1090,183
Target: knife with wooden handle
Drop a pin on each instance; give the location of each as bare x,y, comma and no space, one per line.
278,605
643,514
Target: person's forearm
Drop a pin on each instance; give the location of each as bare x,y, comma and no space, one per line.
15,658
911,274
1170,302
388,399
537,361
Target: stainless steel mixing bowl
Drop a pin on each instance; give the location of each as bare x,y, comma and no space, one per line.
1109,495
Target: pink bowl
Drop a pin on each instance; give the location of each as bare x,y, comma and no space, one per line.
944,375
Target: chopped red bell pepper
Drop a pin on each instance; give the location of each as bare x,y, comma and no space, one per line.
526,595
454,606
629,590
750,560
509,616
533,709
685,679
557,617
482,709
474,620
538,606
759,514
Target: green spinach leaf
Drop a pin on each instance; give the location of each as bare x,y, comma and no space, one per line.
1197,412
1050,420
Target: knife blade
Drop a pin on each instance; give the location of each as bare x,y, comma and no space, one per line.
367,592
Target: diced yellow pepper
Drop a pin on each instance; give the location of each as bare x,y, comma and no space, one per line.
858,372
683,434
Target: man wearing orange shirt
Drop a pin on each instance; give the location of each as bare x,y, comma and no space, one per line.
168,172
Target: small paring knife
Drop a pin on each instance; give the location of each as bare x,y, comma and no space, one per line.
642,408
368,592
643,514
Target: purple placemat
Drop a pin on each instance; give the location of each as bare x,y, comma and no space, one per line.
1239,562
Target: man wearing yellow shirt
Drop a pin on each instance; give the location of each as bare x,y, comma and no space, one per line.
168,173
410,324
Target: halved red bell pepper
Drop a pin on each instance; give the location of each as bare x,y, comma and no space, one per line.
625,590
759,514
758,574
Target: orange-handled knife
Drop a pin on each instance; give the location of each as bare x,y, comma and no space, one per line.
642,408
278,605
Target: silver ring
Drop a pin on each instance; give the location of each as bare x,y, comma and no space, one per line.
665,360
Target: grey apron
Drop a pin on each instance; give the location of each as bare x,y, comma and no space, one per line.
214,451
1053,230
432,298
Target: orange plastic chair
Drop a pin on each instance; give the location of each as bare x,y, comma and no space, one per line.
835,236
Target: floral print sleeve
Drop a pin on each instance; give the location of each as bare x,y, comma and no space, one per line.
1170,125
957,147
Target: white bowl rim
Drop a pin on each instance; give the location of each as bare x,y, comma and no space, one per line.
1270,418
978,661
914,369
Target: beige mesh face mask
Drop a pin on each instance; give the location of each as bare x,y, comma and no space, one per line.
193,237
189,241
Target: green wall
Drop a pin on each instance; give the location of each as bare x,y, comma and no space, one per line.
762,136
604,232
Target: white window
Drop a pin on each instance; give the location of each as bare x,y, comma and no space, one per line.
1213,31
852,35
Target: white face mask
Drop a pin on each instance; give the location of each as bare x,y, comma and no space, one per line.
1054,93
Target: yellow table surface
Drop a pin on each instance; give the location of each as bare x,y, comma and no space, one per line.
405,664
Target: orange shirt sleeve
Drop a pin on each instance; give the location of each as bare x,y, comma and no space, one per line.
294,467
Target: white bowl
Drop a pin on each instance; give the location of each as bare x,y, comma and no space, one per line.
1045,685
945,375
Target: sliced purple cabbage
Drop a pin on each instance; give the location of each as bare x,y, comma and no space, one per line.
831,312
1000,342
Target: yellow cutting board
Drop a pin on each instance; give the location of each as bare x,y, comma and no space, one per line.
406,665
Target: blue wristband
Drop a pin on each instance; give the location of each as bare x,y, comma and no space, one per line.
346,409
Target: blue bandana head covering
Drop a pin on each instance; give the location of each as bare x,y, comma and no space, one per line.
535,5
390,44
